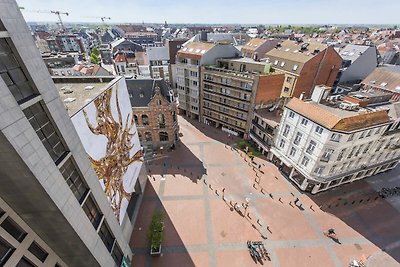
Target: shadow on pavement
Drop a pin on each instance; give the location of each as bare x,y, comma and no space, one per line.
173,251
181,161
359,206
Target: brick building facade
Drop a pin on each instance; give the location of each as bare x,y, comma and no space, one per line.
155,114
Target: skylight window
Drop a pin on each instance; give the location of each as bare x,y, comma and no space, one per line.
276,62
351,54
373,81
287,49
383,84
283,63
203,51
295,67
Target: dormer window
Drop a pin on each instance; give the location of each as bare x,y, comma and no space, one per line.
283,63
276,62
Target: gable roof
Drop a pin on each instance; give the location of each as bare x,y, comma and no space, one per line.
291,53
158,53
253,44
335,119
141,91
385,78
195,49
352,52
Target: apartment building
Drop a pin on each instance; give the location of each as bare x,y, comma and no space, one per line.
155,112
358,62
384,79
256,48
125,64
67,43
53,211
264,127
187,72
232,88
326,142
158,62
305,65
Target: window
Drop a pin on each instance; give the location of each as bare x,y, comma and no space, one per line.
6,250
135,117
38,251
25,263
351,137
298,138
291,114
13,229
276,62
2,212
147,137
46,131
352,152
332,170
367,147
289,79
362,135
286,89
319,170
117,254
319,130
304,121
378,131
159,102
311,147
305,161
295,67
369,133
74,180
145,120
161,120
282,143
286,131
340,156
92,211
163,136
335,137
327,155
292,152
173,116
106,236
283,63
13,74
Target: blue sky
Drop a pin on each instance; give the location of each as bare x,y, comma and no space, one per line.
220,11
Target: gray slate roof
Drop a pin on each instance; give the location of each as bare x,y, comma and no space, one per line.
158,53
352,52
142,90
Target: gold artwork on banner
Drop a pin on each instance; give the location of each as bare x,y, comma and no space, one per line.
112,167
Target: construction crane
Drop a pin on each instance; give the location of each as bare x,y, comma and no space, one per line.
56,12
104,18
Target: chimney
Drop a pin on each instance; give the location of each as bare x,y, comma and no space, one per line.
302,96
203,36
320,93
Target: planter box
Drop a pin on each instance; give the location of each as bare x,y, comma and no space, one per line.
155,251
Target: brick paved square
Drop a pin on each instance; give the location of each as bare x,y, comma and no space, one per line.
304,257
181,186
202,230
185,222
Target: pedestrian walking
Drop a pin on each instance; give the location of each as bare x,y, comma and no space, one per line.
296,200
271,196
280,200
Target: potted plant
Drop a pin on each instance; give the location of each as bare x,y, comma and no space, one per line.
155,234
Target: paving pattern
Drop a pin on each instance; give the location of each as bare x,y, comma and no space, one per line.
205,226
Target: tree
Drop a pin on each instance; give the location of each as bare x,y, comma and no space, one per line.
95,55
